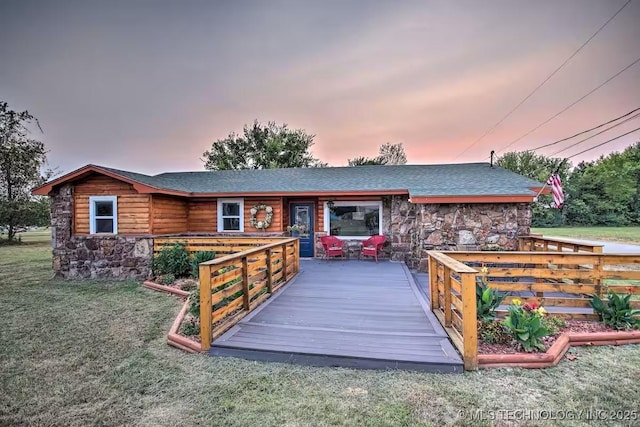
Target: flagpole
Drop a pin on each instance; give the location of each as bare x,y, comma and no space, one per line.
535,199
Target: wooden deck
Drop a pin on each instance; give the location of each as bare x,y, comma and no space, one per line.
356,314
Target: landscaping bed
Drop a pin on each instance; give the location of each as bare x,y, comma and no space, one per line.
572,327
558,348
185,331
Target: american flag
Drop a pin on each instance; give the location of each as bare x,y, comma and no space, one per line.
556,188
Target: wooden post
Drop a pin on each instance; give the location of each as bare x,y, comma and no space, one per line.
447,296
598,267
245,283
469,321
433,283
205,306
296,252
284,262
269,272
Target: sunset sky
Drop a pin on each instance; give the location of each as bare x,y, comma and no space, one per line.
149,85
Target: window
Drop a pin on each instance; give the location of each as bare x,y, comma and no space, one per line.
353,219
230,215
103,214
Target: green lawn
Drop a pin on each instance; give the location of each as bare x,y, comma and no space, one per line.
614,234
94,353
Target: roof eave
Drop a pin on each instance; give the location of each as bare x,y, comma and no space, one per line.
496,198
46,188
305,193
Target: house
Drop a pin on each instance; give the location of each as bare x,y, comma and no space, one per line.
104,220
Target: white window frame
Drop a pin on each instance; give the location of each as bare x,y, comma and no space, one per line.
327,217
221,218
93,216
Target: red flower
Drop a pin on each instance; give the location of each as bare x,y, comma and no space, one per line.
526,306
534,305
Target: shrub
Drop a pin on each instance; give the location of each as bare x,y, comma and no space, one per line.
191,327
487,299
616,311
172,260
167,279
553,323
200,257
194,303
493,332
525,325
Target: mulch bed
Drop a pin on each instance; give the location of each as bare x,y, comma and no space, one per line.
573,326
182,284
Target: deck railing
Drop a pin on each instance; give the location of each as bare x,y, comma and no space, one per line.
235,284
535,243
563,282
453,300
220,245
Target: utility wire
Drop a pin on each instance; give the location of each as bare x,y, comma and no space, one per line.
570,105
594,135
580,142
584,131
603,143
566,61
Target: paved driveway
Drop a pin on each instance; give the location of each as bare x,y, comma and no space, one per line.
608,247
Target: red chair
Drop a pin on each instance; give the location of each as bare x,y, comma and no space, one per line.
372,246
332,246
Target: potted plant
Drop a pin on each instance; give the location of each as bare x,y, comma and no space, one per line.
295,229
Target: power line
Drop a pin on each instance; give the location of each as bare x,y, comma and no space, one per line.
584,131
594,135
603,143
566,61
570,105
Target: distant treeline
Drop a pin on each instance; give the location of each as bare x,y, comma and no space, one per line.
604,192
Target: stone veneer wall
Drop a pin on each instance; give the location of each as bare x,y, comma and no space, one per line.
414,229
90,256
418,228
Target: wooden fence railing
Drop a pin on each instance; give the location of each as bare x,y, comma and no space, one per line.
235,284
220,245
544,244
453,300
563,282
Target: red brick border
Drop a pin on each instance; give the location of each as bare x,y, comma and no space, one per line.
553,356
173,338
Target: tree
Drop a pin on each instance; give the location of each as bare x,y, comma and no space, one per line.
388,154
365,161
262,147
393,154
21,161
539,168
606,191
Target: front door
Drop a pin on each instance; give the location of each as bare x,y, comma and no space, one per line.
302,214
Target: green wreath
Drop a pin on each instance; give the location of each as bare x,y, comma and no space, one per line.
264,223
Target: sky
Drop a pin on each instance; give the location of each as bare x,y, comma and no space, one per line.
149,85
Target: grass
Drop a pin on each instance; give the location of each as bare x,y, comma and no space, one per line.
79,353
613,234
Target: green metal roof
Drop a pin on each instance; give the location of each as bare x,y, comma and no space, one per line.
464,179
